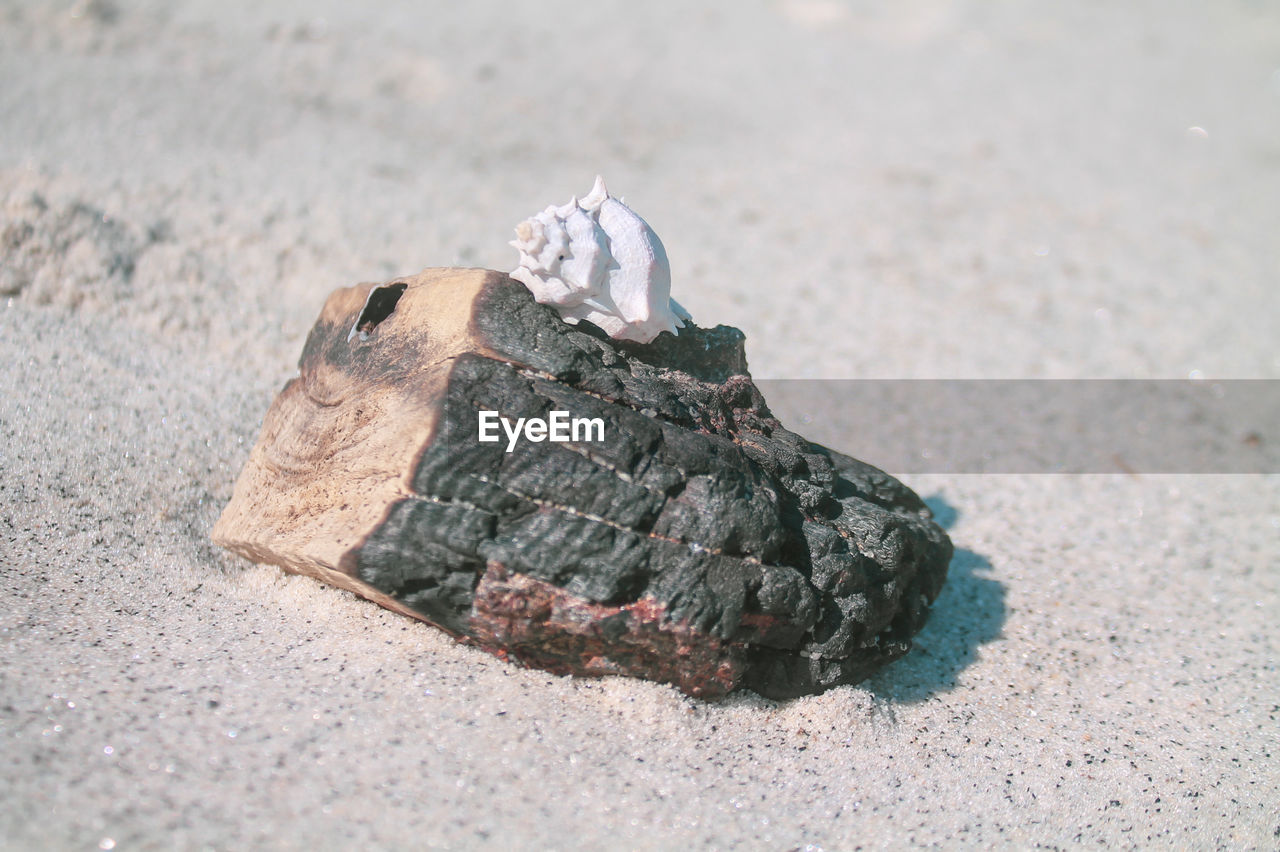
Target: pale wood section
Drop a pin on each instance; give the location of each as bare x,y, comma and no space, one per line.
341,441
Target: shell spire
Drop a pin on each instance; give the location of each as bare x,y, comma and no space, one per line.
594,259
599,192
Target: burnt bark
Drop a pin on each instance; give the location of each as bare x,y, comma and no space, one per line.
699,543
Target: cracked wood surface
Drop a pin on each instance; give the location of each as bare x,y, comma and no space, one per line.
701,543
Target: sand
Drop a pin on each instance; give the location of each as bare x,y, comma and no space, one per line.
934,190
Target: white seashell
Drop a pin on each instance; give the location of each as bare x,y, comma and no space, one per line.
594,259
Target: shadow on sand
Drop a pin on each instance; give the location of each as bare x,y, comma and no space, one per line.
968,613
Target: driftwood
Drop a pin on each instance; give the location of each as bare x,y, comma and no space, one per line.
695,542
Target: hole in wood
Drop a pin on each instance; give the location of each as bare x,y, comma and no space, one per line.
380,305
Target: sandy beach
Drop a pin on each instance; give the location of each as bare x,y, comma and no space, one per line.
933,190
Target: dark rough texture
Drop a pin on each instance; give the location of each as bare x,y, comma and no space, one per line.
701,543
